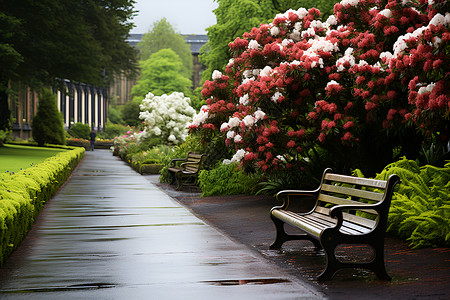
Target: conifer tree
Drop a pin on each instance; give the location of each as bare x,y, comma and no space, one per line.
48,127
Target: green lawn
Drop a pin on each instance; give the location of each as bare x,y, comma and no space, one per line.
15,157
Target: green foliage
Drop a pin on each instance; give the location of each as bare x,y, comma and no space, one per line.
420,209
115,115
80,130
112,130
87,40
192,144
23,193
163,36
161,74
130,112
226,180
48,127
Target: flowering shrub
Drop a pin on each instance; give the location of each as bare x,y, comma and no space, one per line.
166,117
363,81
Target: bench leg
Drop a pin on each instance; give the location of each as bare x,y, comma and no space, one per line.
378,266
282,236
333,264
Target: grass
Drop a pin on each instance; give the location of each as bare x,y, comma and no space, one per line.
15,157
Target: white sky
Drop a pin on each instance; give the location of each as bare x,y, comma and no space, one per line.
186,16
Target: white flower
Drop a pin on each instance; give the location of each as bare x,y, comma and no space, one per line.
276,96
302,12
237,138
259,115
386,12
234,122
171,138
350,2
266,71
248,121
224,127
238,156
244,100
253,44
230,134
274,31
437,20
316,24
331,20
216,75
332,82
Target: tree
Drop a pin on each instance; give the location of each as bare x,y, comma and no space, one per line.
161,74
235,17
78,40
48,127
163,36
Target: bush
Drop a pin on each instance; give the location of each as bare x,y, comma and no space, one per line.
80,130
47,125
76,142
226,180
23,193
113,130
420,208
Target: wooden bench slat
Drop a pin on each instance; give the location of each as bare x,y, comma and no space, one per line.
356,180
364,222
342,201
369,195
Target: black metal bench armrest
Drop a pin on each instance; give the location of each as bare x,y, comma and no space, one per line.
336,212
174,161
284,195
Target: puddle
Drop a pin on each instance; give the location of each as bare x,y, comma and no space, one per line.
246,281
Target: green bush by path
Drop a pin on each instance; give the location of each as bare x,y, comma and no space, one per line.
80,130
227,180
23,193
420,209
16,157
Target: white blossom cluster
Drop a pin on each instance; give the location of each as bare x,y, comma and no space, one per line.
167,116
237,157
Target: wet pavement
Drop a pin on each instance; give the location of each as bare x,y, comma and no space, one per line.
109,233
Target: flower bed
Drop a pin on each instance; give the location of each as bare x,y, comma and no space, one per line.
23,193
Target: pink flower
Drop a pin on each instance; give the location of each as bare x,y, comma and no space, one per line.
348,125
290,144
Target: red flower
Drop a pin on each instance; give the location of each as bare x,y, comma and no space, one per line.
290,144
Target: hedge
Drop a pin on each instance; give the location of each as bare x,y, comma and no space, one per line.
23,193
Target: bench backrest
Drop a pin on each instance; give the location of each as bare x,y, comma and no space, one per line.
338,189
193,162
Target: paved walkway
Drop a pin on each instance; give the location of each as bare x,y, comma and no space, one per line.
111,234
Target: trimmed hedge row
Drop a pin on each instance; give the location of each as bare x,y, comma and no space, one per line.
23,193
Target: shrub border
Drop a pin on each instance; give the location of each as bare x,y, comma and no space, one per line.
23,194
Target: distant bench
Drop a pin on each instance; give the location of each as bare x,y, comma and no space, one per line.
333,220
186,173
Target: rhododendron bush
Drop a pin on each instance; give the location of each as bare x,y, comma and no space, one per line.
373,76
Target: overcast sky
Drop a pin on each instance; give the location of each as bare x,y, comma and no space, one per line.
186,16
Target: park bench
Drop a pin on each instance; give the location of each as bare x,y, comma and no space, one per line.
185,173
333,220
